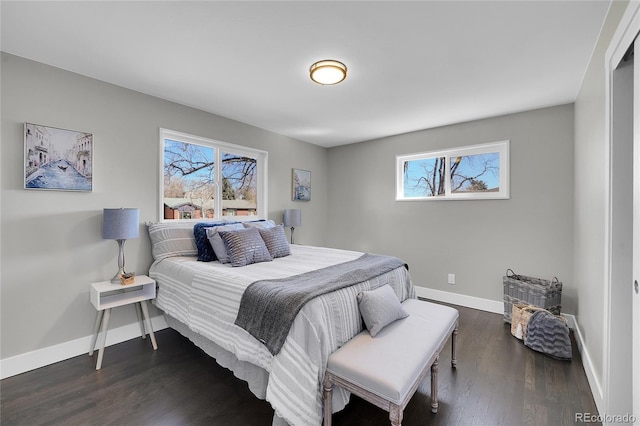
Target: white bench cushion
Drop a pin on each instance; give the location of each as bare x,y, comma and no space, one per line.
388,364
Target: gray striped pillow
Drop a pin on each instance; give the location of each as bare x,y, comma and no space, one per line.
245,246
172,239
276,241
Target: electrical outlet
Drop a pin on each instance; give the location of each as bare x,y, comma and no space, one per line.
452,279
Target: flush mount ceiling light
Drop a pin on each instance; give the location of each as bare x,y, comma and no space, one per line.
328,72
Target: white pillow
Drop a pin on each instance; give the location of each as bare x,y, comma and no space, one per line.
379,308
264,224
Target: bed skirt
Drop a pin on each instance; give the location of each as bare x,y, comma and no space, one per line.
256,377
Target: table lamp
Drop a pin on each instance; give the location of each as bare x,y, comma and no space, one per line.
292,218
120,225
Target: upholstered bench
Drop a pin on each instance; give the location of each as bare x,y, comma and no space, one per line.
387,369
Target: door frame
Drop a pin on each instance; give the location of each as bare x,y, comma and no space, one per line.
626,33
635,368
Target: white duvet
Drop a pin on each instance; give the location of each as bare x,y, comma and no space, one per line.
205,296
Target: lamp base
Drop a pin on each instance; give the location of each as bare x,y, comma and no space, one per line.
116,277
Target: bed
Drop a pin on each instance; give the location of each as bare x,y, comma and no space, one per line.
201,300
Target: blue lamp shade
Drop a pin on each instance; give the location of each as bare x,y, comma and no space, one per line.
120,224
292,217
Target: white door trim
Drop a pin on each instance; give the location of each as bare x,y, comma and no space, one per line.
627,30
635,368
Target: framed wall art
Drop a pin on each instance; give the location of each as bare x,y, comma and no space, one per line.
57,159
301,180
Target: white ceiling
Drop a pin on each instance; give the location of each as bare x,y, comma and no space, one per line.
412,65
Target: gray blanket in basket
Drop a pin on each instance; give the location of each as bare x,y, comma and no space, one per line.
548,334
268,307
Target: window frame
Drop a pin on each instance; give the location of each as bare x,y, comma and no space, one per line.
261,157
501,147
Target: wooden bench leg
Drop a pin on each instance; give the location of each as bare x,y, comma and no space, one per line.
454,348
327,395
395,415
434,386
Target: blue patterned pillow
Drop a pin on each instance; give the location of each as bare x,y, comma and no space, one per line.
276,241
205,251
245,246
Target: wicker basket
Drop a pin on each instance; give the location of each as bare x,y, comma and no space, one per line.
520,318
538,292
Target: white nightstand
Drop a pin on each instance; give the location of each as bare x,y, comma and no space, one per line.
105,295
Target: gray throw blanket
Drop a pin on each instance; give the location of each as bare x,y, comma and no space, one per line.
268,307
548,334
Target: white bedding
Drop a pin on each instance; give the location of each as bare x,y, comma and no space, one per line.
205,296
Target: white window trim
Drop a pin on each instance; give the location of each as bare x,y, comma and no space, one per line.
262,183
501,147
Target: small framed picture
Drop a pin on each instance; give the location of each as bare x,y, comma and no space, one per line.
57,159
301,180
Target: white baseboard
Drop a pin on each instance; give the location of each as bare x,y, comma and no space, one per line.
596,387
498,308
461,300
39,358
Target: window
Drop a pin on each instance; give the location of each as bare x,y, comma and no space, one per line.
207,179
472,172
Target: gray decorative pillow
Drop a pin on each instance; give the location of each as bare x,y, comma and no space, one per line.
379,308
276,241
245,246
216,241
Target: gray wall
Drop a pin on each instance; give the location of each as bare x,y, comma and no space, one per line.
531,233
591,204
51,243
52,247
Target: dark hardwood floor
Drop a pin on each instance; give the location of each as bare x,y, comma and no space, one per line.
498,381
